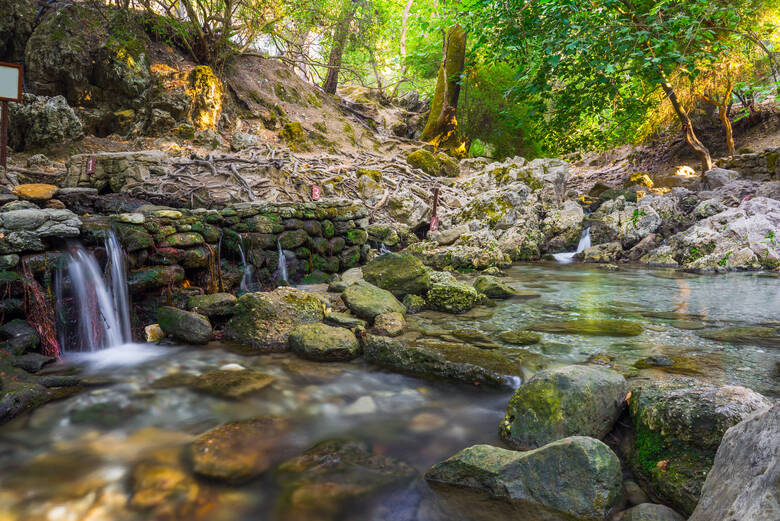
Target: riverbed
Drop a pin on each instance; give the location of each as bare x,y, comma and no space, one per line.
77,458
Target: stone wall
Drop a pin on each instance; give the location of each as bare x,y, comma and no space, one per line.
118,171
759,166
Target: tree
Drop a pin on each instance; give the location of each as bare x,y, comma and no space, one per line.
340,34
442,125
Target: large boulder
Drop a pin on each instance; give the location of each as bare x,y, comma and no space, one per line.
264,320
214,305
324,343
16,26
493,287
555,403
186,326
400,274
573,479
448,295
678,424
367,301
239,451
455,362
745,477
562,227
324,480
40,121
624,221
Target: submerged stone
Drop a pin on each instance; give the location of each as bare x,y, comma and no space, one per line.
232,384
576,478
651,512
567,401
456,362
756,335
519,338
589,327
320,483
239,451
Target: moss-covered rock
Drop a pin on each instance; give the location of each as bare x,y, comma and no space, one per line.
324,343
606,327
349,257
292,239
752,335
182,240
215,305
151,277
336,318
567,401
448,166
389,324
400,274
206,91
367,301
425,161
133,237
453,297
18,337
357,237
678,426
239,451
295,136
493,287
440,360
414,303
183,325
576,478
264,320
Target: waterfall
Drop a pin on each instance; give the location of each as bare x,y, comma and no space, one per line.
246,278
383,249
102,316
282,261
118,276
566,258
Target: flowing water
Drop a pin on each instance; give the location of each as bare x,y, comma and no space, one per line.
74,458
247,278
99,316
282,262
566,258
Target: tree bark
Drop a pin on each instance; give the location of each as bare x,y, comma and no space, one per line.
404,24
339,42
441,126
687,127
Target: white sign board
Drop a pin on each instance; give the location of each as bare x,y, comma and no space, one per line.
10,82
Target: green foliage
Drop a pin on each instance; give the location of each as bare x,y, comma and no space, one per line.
489,113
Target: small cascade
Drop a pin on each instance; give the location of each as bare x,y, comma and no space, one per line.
246,278
99,317
566,258
383,249
282,261
118,276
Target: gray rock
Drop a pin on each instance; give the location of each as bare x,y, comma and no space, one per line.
31,362
576,478
184,325
556,403
743,482
651,512
493,287
400,274
39,121
215,305
19,337
241,140
717,177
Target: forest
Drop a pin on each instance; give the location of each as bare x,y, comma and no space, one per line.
389,260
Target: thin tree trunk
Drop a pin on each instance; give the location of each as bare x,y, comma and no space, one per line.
404,26
442,124
339,42
687,126
723,113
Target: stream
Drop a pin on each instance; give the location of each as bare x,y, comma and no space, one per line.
73,459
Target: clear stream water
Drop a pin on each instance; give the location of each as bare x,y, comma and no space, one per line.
54,466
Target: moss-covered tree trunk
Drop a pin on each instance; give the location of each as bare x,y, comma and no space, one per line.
339,42
442,126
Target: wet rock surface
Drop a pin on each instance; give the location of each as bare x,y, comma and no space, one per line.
573,478
324,343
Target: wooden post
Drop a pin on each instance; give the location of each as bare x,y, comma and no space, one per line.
434,210
4,135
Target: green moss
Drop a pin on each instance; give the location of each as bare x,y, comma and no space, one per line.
295,137
425,161
376,175
319,125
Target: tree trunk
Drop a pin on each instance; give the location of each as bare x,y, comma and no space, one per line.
404,24
687,126
339,42
441,127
